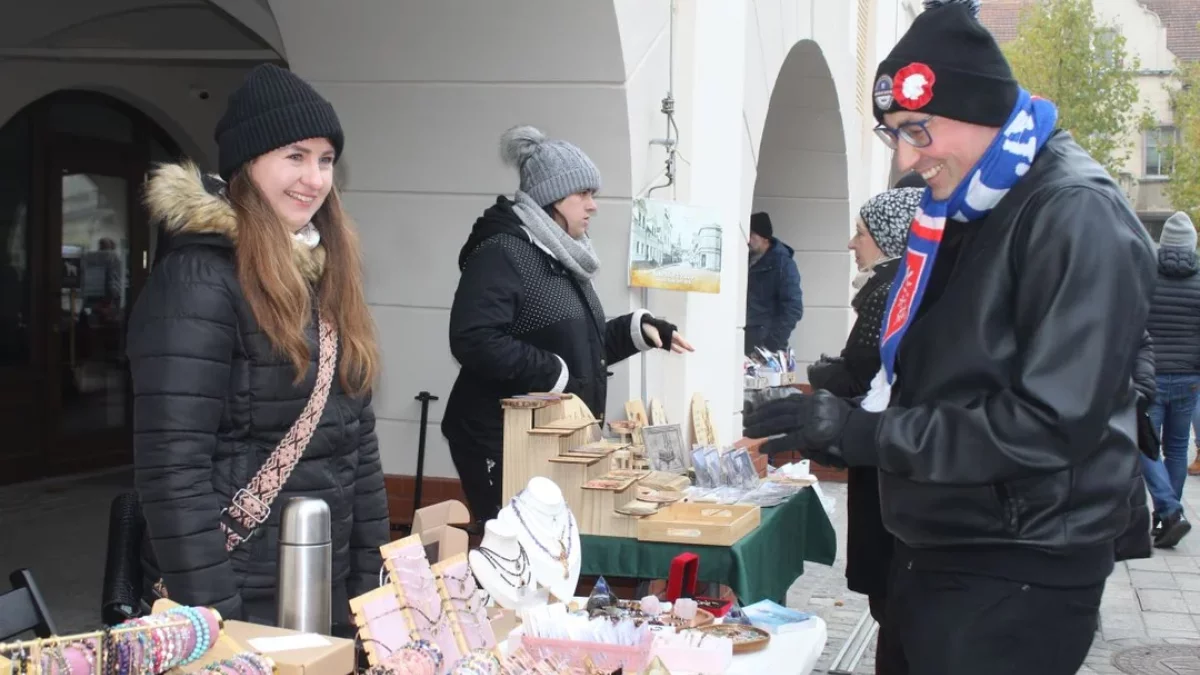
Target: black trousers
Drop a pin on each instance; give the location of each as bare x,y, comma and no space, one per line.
889,653
948,623
479,470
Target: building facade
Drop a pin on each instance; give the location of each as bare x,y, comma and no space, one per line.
1160,34
771,112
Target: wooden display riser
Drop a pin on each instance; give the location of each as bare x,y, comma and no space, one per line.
535,440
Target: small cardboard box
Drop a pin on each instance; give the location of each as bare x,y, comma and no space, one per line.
335,658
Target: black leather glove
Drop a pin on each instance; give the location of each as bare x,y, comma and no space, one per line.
811,424
666,330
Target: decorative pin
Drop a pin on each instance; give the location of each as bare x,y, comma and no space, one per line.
883,92
913,88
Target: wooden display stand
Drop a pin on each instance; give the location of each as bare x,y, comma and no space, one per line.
539,435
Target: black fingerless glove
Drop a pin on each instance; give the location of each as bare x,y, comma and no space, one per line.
666,329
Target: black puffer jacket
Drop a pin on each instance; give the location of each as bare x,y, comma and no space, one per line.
850,374
518,316
1174,321
869,545
1012,422
212,399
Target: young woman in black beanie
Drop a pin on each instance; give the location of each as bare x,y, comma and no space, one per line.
253,356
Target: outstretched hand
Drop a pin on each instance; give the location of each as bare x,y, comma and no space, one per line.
654,330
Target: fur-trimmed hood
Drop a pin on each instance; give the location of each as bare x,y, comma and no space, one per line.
187,201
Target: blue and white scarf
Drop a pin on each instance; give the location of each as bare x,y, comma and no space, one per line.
1007,159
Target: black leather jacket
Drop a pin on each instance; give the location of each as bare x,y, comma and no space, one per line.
1012,419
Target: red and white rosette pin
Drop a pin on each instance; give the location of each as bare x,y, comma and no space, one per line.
914,86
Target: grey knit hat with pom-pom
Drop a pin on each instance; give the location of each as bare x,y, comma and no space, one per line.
550,169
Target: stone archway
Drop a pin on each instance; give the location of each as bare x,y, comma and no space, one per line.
803,184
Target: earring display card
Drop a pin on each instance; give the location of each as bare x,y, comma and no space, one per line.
465,603
416,586
383,623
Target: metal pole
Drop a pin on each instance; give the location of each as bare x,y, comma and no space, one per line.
424,397
303,596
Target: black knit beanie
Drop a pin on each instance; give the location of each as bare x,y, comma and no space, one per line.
272,108
760,224
949,65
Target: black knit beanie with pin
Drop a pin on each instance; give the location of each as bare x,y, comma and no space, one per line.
949,65
272,108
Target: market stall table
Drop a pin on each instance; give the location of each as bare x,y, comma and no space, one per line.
760,566
795,652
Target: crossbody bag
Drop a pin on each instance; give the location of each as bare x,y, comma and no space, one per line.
251,505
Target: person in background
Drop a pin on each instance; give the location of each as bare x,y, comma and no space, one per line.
1174,325
1168,524
774,301
881,231
526,317
231,347
1003,419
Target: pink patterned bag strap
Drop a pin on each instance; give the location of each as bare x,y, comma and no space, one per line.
252,504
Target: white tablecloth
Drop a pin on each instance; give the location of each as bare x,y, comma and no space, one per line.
796,652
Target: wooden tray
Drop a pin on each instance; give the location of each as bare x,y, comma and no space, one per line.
746,639
701,524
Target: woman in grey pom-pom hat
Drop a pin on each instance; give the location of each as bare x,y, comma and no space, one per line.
526,317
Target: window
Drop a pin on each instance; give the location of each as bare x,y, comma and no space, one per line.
1104,44
1158,142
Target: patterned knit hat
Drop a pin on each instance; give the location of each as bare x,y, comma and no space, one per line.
887,216
272,108
947,64
550,170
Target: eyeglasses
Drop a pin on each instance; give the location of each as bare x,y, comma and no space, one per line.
915,134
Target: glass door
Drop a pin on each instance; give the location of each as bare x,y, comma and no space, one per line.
92,234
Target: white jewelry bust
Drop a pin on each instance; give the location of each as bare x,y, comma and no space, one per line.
547,530
502,568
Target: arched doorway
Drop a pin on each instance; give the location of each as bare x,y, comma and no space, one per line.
803,182
75,249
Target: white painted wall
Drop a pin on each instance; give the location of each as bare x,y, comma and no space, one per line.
421,156
424,95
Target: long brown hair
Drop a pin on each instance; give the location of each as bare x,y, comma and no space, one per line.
281,297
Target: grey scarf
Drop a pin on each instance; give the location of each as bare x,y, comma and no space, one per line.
578,256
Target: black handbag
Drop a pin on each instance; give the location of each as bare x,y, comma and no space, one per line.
1148,441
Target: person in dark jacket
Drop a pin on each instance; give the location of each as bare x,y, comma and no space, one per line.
881,230
1175,326
774,301
224,348
526,317
1003,419
1169,525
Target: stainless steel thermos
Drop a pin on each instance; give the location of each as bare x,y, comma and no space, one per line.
305,566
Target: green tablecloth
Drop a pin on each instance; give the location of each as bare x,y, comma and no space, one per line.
762,565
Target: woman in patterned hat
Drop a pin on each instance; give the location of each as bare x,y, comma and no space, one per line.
881,233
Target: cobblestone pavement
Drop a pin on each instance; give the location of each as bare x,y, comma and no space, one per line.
1148,602
58,529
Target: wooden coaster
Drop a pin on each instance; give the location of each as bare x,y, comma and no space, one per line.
745,638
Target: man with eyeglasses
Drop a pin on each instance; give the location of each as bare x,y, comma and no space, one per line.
1003,421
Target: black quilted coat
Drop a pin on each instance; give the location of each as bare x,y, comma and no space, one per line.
212,399
1174,320
869,545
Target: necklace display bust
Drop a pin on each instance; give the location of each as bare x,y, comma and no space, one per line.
502,567
546,529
